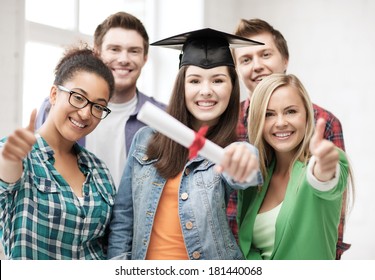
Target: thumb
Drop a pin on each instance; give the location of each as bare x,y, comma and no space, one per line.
318,134
31,126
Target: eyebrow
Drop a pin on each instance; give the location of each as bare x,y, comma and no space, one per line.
112,45
213,76
257,52
290,106
286,108
83,92
121,46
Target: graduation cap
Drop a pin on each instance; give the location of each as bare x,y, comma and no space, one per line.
206,48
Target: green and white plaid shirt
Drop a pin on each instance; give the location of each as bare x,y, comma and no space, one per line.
42,218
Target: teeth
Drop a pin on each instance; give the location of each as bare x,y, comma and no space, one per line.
77,123
122,71
206,103
282,134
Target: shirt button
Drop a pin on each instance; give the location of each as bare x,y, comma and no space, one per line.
144,158
187,171
196,255
189,225
184,196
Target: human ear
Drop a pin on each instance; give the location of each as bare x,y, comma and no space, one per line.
53,95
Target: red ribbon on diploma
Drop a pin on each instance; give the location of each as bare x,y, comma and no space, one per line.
198,142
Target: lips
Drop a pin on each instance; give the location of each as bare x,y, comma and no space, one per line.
122,72
77,124
259,78
282,135
206,103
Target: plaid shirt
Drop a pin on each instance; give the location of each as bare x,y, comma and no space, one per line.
42,218
333,132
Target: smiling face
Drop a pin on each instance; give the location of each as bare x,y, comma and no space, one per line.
256,62
207,94
72,123
285,120
123,52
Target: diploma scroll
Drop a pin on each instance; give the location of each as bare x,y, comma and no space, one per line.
177,131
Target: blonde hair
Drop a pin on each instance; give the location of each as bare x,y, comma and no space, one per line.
258,108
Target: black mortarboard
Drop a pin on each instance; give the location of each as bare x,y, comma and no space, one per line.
206,48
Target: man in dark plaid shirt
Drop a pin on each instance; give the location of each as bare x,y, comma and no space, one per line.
255,62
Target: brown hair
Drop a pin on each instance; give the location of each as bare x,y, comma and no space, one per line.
171,156
251,27
123,20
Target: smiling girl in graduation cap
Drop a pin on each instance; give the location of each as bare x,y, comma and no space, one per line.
170,205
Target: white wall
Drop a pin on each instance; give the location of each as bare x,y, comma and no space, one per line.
11,59
168,18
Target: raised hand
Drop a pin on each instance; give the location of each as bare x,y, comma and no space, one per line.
20,142
325,152
239,162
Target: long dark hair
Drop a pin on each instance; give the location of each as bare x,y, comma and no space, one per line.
171,156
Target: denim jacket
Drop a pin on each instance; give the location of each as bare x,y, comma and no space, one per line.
203,196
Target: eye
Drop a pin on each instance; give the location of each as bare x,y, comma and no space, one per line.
193,81
266,54
136,51
99,108
217,81
245,60
291,111
78,98
269,114
114,49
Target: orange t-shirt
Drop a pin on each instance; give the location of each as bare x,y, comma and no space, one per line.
167,242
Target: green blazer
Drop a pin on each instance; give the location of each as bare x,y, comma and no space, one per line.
307,224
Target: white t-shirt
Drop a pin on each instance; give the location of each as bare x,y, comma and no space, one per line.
264,231
107,141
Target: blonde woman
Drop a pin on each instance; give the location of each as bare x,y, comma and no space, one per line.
296,212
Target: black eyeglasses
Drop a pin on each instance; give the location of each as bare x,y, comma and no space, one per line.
79,101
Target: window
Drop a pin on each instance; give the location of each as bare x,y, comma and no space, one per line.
66,22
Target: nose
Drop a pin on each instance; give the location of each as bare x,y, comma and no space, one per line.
206,89
123,57
257,64
85,112
281,121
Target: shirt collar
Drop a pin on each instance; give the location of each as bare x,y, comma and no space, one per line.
45,152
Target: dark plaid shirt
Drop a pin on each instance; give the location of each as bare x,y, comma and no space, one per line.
333,132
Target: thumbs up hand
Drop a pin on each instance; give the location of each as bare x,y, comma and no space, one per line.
20,142
325,153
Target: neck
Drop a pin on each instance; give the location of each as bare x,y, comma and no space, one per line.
123,95
58,145
283,162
